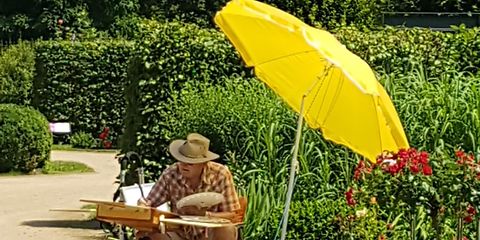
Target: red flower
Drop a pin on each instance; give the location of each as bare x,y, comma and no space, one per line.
382,237
403,154
103,135
358,170
464,238
412,152
414,168
423,157
471,210
427,170
460,153
356,174
349,197
106,129
107,144
468,219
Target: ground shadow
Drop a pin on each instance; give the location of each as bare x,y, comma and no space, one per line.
80,224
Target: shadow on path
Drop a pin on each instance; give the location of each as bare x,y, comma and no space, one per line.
80,224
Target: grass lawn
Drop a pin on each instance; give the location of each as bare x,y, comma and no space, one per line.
61,167
56,167
68,147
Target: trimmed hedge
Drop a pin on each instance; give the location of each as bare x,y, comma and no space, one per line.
400,50
25,139
170,55
83,83
17,64
325,13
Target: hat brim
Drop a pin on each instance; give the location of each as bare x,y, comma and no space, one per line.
174,149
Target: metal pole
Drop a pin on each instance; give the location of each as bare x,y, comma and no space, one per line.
293,169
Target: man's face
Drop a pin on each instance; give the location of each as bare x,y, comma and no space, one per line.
190,170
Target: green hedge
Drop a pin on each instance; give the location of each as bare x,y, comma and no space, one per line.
83,83
432,5
400,50
170,55
25,139
327,218
16,73
326,13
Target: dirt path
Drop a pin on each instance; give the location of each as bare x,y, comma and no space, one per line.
25,200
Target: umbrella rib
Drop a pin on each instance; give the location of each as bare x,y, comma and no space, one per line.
287,56
334,99
325,74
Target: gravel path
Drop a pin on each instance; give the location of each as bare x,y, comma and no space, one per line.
25,201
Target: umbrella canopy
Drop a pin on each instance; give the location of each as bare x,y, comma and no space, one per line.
340,92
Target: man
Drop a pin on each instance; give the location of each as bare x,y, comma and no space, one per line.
194,173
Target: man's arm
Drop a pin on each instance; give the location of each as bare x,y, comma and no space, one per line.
231,203
159,193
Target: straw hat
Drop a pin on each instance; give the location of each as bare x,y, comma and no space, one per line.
193,150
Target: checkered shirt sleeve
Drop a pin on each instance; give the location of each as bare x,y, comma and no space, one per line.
231,203
159,193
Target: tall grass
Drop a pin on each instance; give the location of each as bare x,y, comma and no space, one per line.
263,200
437,112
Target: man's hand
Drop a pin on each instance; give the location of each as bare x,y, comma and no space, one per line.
142,202
192,210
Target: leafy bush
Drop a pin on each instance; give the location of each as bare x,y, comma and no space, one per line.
326,13
432,6
16,73
170,55
325,219
401,50
330,14
82,140
82,83
25,139
412,183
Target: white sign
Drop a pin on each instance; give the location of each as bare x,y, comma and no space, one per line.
60,127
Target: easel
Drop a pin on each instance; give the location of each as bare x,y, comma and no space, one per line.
146,218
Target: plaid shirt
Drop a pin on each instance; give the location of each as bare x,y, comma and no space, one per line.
172,186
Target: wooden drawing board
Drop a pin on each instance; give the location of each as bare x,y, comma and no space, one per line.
144,218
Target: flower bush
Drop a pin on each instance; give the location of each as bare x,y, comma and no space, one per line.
409,182
105,140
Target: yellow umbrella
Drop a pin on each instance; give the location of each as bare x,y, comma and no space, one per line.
332,88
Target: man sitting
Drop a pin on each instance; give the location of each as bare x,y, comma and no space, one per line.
194,173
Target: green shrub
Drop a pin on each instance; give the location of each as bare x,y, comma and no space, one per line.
82,83
401,50
170,55
82,140
16,73
25,138
432,6
326,13
326,218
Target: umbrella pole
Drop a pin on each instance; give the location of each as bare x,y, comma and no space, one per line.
293,169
